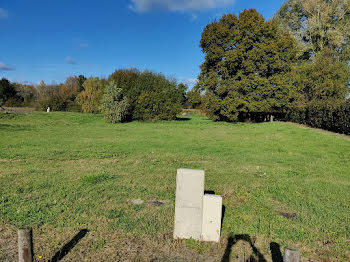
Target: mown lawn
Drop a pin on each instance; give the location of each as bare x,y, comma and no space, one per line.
282,185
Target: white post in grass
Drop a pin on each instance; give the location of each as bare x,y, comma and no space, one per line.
291,255
25,245
189,203
211,223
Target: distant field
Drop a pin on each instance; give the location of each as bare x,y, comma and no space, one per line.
281,184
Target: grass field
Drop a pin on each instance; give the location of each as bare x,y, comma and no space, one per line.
282,185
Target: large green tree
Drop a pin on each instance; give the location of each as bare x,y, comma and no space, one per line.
318,24
151,96
246,63
114,106
7,90
90,98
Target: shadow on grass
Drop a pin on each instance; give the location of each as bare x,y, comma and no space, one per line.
182,119
60,254
276,254
233,239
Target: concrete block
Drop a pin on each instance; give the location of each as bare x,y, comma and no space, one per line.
189,188
211,223
188,203
188,223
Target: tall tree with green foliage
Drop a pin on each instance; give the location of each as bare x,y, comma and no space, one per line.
90,98
7,91
324,78
114,106
318,24
151,96
246,63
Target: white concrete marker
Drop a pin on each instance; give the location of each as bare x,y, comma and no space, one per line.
189,203
211,224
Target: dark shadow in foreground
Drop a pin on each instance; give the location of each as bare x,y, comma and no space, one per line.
232,240
60,254
182,119
276,252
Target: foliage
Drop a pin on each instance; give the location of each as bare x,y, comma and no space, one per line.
70,90
90,98
114,106
151,96
246,61
194,99
318,24
322,79
26,94
7,91
332,114
49,96
81,80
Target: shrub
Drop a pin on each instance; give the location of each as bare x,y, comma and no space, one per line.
114,106
151,96
194,99
49,96
333,115
90,98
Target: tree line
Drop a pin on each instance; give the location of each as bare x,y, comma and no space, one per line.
294,66
126,95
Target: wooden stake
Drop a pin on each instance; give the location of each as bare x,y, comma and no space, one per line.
25,245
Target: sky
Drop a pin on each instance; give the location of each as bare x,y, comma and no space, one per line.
52,39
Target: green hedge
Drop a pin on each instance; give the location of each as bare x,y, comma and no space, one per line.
333,115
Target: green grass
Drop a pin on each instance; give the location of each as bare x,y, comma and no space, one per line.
68,170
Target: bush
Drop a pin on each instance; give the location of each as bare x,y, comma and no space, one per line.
194,99
49,96
151,96
90,98
332,115
114,106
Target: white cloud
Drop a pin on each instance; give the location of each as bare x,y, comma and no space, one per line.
6,67
142,6
188,81
70,60
3,14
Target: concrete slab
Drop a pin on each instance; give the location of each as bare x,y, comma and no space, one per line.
189,203
188,223
211,222
189,188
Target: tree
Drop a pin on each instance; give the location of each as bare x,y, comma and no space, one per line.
50,96
246,61
26,94
151,96
7,91
318,24
325,78
90,98
81,80
194,98
114,106
71,88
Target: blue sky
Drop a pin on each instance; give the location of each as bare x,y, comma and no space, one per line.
52,39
